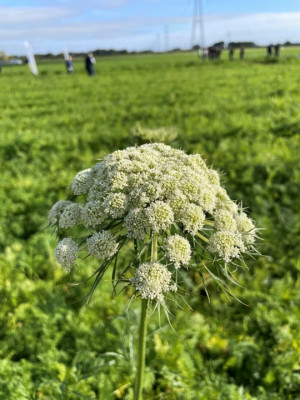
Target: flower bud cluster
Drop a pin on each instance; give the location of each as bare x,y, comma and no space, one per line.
57,210
102,245
82,182
226,244
66,253
178,250
71,216
152,280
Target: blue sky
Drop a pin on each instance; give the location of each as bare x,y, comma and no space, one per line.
51,26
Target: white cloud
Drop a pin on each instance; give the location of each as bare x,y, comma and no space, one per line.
11,17
260,27
52,28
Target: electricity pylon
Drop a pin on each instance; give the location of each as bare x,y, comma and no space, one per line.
198,17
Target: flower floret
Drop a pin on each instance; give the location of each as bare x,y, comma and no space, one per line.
213,177
66,253
246,227
152,280
178,250
71,216
56,211
224,220
160,216
192,218
136,223
115,205
207,198
102,245
92,213
226,244
82,182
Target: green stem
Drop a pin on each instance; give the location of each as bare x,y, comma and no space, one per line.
138,395
138,392
208,222
202,237
154,249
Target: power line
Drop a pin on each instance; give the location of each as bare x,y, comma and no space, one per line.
166,37
194,22
198,16
201,22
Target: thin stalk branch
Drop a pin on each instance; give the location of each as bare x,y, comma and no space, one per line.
202,237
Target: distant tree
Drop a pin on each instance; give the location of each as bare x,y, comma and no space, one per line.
291,44
3,56
237,45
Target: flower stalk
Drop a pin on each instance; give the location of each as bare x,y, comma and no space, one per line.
138,394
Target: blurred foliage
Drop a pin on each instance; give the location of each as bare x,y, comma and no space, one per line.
141,135
244,118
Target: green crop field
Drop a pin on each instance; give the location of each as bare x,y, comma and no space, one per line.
243,117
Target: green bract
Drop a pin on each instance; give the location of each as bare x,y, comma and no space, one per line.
152,190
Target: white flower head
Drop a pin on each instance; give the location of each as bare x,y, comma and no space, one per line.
66,253
246,227
191,186
197,163
192,218
136,223
152,280
178,250
213,177
207,198
98,190
102,245
224,220
227,245
92,213
71,216
160,216
57,210
119,181
178,202
115,204
224,201
82,182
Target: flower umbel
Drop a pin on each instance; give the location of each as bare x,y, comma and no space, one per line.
152,190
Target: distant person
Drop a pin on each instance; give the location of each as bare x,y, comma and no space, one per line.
270,50
89,64
69,65
211,53
231,53
202,53
242,53
218,51
277,49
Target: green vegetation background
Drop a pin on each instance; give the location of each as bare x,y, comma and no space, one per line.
244,118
